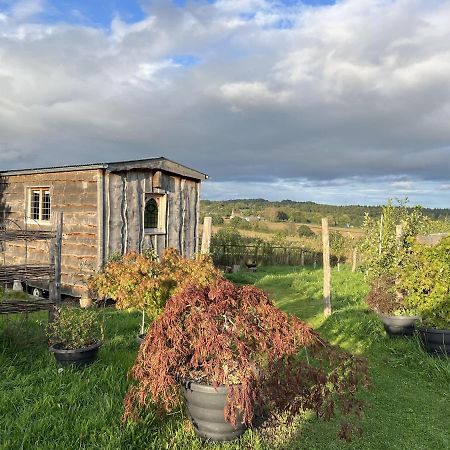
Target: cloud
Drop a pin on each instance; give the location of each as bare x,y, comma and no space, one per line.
26,9
268,91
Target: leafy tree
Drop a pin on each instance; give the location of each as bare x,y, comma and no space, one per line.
145,282
305,231
380,246
282,216
238,222
227,236
424,279
338,245
217,220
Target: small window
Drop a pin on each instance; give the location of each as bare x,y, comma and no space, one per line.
39,209
155,214
151,214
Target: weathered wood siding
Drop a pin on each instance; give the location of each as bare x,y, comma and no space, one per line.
74,193
125,201
103,214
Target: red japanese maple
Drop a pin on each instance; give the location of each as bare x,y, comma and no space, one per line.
235,336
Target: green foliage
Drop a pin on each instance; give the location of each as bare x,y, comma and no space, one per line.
76,328
282,216
338,245
12,295
425,280
310,212
305,231
227,236
42,409
144,282
380,247
217,220
238,222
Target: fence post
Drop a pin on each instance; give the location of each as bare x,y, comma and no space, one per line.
398,234
55,261
326,268
206,235
355,254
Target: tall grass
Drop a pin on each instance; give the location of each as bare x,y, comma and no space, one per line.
42,407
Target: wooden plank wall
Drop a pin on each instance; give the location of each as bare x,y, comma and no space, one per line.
115,227
125,199
75,193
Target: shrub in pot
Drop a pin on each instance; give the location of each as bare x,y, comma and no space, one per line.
386,300
381,247
75,336
145,281
426,281
233,355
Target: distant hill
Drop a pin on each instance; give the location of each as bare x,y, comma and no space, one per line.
301,212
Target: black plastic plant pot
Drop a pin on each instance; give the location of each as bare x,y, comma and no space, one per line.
77,358
434,341
205,405
140,338
399,325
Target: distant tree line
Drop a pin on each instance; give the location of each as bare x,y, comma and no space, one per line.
301,212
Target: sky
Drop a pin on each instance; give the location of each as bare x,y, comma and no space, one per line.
343,102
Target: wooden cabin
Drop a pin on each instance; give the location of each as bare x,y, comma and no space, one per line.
108,208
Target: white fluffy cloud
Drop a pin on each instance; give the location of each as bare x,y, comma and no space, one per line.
246,90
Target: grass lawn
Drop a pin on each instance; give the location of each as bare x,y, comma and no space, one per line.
42,407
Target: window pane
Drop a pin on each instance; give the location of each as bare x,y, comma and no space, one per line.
34,207
151,214
46,207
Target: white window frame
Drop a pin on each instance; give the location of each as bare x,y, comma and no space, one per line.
161,201
29,193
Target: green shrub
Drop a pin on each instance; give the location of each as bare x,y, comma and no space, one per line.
217,220
238,222
425,281
227,236
141,281
380,247
76,328
282,216
305,231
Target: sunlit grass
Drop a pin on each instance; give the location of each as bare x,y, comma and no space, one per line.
43,408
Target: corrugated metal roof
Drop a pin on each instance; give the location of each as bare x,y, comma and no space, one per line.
149,163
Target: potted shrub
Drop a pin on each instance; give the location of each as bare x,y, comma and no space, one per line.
426,281
145,281
385,247
75,336
385,299
233,355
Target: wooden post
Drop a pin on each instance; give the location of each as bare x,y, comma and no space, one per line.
55,260
55,256
398,234
302,258
326,268
381,235
355,256
206,235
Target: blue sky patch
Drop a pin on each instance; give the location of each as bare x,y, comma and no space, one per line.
90,12
185,60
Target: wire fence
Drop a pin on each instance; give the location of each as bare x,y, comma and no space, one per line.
265,255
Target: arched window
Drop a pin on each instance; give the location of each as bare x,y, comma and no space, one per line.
151,214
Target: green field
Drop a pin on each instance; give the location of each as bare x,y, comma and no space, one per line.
43,408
